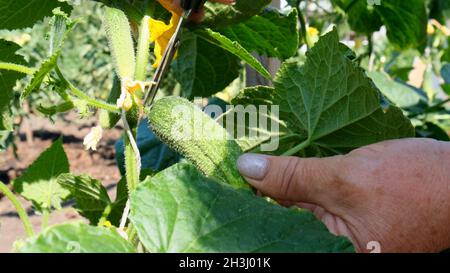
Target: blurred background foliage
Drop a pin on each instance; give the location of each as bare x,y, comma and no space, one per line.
86,58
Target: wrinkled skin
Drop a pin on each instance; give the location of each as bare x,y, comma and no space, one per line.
195,16
394,193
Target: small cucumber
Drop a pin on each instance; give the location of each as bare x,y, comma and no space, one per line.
196,136
120,42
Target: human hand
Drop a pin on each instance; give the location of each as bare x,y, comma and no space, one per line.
196,16
395,193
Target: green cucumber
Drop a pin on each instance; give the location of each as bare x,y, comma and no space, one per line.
186,129
120,41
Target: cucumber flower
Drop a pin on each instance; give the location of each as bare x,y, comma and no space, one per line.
91,140
131,91
160,32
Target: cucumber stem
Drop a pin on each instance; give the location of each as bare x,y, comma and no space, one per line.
83,96
45,218
297,148
20,210
17,67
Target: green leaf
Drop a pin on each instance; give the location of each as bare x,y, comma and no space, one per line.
203,69
255,134
219,15
270,33
233,47
16,14
7,82
332,105
432,130
61,27
76,238
405,21
90,196
360,17
400,94
135,10
179,210
122,197
39,182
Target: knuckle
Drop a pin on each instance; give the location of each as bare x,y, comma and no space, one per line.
288,176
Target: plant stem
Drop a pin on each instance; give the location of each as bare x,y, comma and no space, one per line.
81,95
132,171
132,158
302,24
105,215
288,137
297,148
143,50
370,44
131,151
17,67
20,210
45,217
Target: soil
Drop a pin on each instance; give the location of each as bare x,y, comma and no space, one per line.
98,164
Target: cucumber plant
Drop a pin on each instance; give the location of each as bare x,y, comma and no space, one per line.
182,194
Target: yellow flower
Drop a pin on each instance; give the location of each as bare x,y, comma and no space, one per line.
160,33
312,31
430,29
312,35
131,90
107,224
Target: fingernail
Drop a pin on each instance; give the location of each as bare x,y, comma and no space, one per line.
253,165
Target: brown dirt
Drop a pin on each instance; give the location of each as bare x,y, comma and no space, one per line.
100,165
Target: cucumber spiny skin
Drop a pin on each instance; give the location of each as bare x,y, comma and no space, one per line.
214,157
120,41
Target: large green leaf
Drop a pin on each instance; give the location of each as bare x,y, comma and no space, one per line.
39,182
360,17
61,26
255,135
271,33
218,15
400,94
7,82
90,196
234,48
76,238
405,21
203,69
179,210
135,10
331,104
16,14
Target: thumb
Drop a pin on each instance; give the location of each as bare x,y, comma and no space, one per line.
311,180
